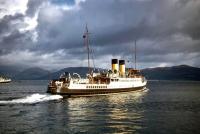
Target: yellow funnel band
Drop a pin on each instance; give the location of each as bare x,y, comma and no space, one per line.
115,67
122,69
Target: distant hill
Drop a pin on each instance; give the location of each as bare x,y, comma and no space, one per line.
181,72
31,74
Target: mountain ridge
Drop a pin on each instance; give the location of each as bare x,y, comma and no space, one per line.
180,72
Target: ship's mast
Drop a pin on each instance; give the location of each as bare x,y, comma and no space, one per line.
86,41
135,55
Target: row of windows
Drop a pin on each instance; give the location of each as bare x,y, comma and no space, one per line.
124,80
96,86
114,79
128,80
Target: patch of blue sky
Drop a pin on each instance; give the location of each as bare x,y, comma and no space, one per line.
63,2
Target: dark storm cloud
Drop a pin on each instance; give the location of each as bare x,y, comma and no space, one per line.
6,25
165,30
114,25
10,37
107,23
181,17
118,22
19,39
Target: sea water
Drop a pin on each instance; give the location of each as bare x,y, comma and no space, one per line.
164,107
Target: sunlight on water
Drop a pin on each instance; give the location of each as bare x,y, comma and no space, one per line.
121,116
112,98
110,109
31,99
121,98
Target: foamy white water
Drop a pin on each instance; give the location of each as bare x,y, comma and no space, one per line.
31,99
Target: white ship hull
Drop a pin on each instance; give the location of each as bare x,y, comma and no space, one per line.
5,81
83,87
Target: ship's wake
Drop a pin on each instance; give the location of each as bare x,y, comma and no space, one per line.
32,99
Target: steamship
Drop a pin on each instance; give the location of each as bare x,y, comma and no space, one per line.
117,80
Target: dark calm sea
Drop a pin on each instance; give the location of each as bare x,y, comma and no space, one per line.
166,107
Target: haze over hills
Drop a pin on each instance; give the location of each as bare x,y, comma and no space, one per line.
31,74
181,72
9,71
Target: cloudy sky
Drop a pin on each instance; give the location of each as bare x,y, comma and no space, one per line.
48,33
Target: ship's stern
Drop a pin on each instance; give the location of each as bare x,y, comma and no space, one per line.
52,87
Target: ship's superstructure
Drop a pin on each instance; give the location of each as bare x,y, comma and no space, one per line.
118,79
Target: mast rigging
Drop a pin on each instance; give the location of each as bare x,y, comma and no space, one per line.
86,41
